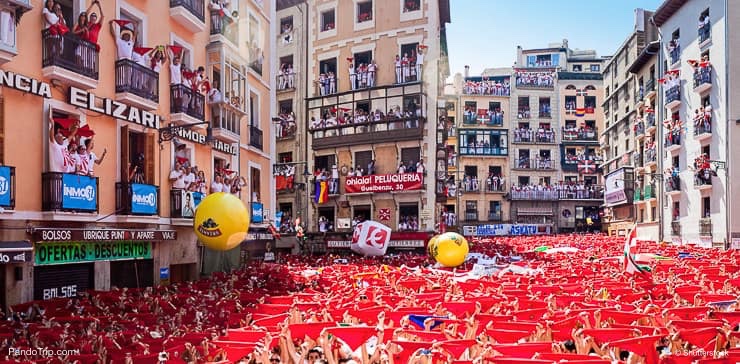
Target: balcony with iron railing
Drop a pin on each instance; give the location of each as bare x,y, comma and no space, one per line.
637,197
7,187
189,13
672,141
183,203
471,215
651,156
649,192
640,130
544,164
137,199
187,106
482,149
495,216
705,32
495,186
650,124
637,160
286,81
255,137
69,192
702,78
650,87
703,180
561,193
362,80
137,85
673,97
225,122
703,127
676,228
531,136
69,58
705,227
675,54
535,80
388,130
673,184
571,134
545,114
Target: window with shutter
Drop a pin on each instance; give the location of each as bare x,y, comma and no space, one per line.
362,159
410,155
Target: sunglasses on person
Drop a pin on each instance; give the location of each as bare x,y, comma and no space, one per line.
274,360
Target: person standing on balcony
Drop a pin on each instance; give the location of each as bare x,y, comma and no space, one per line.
54,22
352,77
90,144
332,83
124,38
58,144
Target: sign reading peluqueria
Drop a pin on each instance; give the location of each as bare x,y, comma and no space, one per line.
78,252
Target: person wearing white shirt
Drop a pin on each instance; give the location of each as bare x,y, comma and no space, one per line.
420,166
58,145
90,144
217,185
124,40
401,168
334,183
352,77
419,63
177,177
188,177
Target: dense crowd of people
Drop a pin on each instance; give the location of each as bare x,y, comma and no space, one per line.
535,79
367,121
534,299
487,87
558,190
527,135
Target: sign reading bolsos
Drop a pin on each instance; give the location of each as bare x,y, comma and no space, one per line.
52,234
116,109
74,252
5,192
79,192
384,183
143,199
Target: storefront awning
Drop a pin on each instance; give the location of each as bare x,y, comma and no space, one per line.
534,211
15,246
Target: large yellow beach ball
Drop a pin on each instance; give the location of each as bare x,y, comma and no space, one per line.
451,250
432,245
221,221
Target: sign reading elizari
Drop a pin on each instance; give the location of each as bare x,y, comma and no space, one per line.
384,183
4,186
74,252
79,192
143,199
116,109
43,234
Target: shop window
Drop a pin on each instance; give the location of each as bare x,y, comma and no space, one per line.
408,217
137,156
326,219
327,20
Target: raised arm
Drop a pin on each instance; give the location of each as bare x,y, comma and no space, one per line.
100,9
112,29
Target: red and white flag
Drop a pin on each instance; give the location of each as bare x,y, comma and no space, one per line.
630,265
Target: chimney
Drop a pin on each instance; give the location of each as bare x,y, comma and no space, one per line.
467,71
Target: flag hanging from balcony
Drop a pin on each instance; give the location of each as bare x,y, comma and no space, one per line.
586,167
630,265
384,214
581,112
322,192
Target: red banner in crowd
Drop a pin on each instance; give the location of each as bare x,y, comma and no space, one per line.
384,183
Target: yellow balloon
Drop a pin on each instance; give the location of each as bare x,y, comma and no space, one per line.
432,245
221,221
452,248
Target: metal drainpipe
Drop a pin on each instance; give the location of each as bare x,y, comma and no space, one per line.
728,155
659,119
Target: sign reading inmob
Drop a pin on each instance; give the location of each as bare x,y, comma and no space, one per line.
77,252
5,192
143,199
79,192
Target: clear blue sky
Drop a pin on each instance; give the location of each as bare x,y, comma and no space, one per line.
485,33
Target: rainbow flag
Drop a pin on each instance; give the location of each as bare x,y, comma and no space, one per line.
322,192
581,112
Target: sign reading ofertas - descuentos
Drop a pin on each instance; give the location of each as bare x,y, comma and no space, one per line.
77,252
